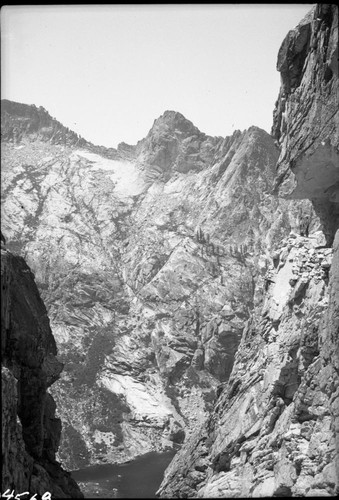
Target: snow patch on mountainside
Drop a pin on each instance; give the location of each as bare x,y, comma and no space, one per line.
124,174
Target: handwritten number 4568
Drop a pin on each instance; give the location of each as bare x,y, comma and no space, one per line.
11,495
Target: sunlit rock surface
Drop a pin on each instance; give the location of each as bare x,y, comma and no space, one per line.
30,430
273,429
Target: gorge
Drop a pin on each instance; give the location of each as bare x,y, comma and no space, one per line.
191,286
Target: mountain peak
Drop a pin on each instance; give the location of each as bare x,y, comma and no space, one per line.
174,121
170,114
19,120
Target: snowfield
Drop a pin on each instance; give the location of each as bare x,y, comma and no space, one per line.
124,174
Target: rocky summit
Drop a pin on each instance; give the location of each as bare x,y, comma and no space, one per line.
191,284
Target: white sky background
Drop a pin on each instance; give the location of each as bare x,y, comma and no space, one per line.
108,71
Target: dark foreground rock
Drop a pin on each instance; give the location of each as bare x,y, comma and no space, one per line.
30,431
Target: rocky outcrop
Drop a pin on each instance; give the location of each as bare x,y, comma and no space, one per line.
30,430
273,428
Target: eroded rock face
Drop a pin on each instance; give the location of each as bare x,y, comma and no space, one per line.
273,429
150,261
30,430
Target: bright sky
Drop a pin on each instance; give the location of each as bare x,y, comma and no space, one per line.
108,71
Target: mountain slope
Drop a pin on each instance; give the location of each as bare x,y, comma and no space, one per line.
21,120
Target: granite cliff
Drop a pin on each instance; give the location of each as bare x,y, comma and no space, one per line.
30,430
273,429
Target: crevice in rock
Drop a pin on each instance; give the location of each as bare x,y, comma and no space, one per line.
289,378
328,75
328,213
283,491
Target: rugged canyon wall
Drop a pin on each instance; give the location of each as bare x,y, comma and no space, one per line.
273,430
30,430
177,285
150,259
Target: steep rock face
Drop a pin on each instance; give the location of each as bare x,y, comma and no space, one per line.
306,120
149,262
30,431
273,428
174,144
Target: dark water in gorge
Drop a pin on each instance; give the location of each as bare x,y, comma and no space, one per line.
139,478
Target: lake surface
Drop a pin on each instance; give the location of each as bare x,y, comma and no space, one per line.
139,478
